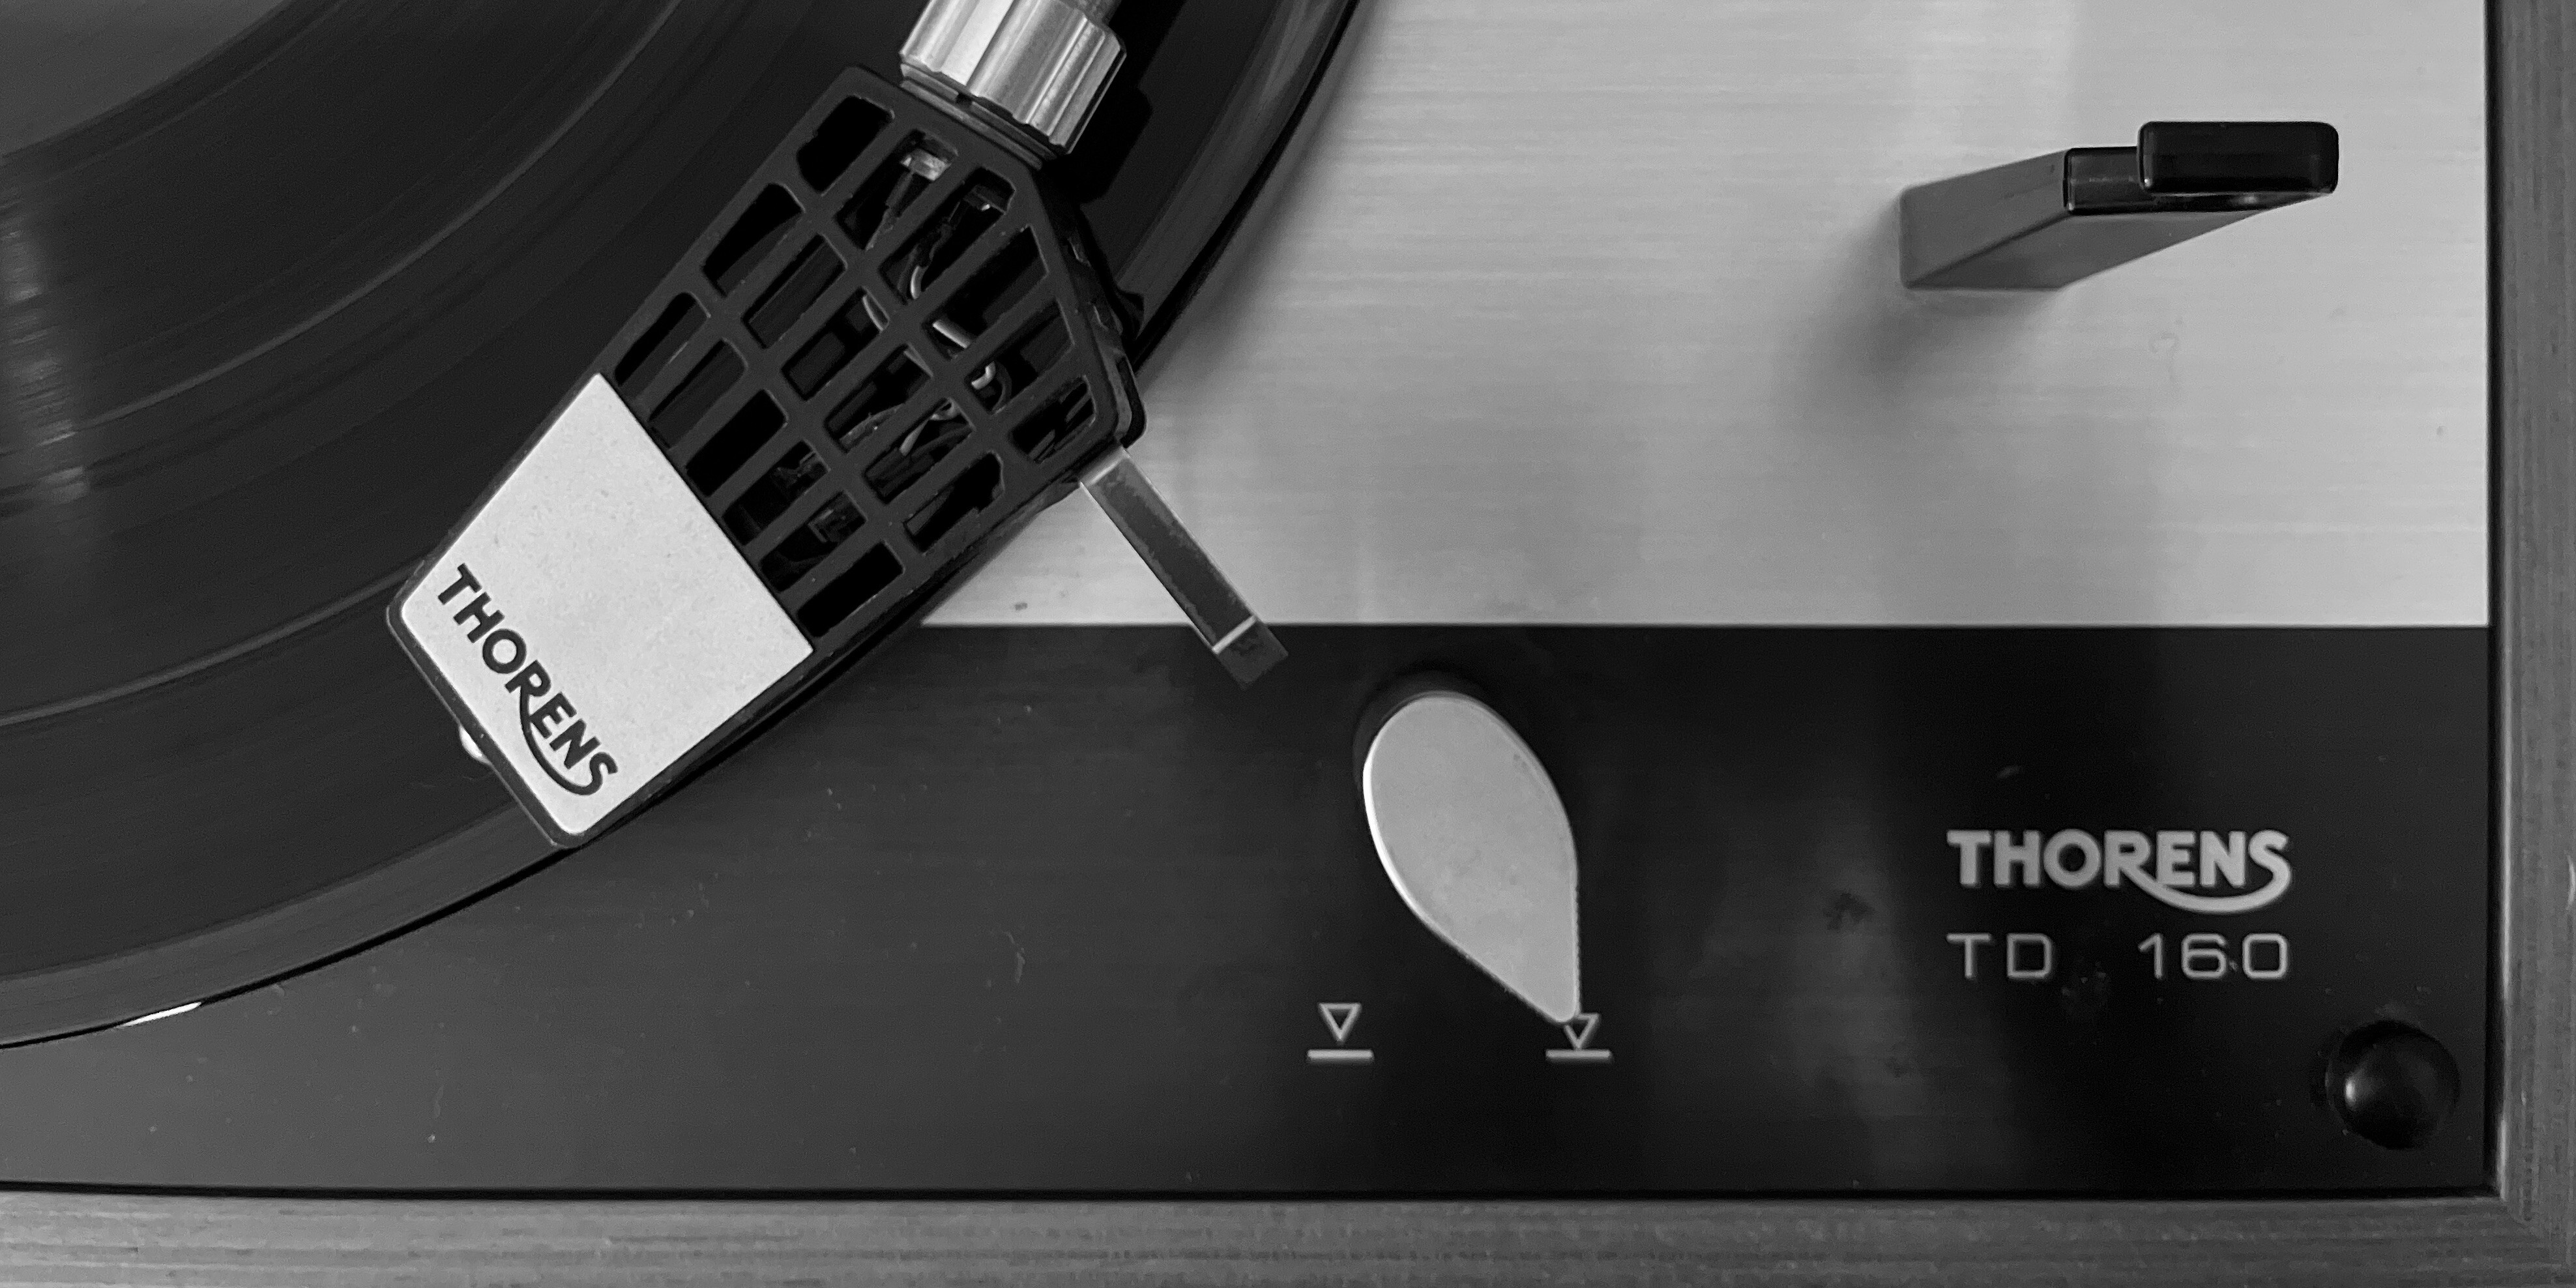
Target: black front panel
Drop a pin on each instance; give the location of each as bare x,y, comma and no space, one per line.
1057,909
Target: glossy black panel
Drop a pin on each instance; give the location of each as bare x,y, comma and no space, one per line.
1055,908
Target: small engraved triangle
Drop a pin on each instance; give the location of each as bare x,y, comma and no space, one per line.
1339,1017
1580,1032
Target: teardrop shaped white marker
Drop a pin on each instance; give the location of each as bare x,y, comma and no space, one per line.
1471,832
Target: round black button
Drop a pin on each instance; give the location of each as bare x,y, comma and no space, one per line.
2392,1084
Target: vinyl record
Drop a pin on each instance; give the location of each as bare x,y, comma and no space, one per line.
268,327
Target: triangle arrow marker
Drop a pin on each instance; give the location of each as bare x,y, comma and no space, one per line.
1339,1017
1580,1031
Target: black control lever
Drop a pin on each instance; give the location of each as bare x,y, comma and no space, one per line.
2064,216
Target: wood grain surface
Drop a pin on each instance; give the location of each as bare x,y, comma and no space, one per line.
223,1242
2534,265
2518,1236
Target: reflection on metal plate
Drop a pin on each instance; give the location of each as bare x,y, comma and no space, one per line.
1599,321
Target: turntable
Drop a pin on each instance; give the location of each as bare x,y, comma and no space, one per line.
1901,641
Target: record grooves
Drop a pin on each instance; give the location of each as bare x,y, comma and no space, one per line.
270,325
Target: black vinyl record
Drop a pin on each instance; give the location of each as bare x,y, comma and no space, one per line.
266,329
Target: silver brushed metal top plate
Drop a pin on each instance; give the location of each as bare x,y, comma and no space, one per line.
1591,314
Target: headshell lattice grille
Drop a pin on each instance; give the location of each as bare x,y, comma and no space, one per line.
886,350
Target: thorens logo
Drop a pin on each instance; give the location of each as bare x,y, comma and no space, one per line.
2193,871
506,654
